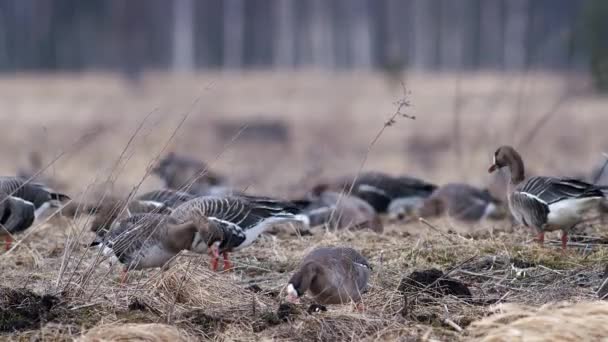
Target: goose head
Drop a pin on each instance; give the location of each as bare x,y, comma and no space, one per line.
208,235
507,156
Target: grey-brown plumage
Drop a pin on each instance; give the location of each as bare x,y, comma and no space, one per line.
16,215
241,218
332,275
245,217
170,198
463,202
150,240
187,174
111,209
37,194
545,203
340,211
379,189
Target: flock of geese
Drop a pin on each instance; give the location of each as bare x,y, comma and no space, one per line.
198,212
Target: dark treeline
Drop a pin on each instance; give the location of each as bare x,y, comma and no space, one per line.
333,34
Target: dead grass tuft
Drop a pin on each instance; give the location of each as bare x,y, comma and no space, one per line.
135,332
585,321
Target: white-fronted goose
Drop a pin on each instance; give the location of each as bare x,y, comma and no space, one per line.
110,210
379,189
242,219
187,174
545,203
401,209
39,195
168,197
34,194
340,211
462,202
332,275
16,215
150,240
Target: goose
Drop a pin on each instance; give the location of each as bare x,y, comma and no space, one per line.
403,208
462,202
110,210
332,275
545,203
339,211
242,219
182,172
16,215
34,194
379,189
168,197
151,240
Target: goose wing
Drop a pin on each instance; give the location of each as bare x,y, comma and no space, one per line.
170,198
549,190
133,233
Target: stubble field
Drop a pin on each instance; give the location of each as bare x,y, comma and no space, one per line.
96,134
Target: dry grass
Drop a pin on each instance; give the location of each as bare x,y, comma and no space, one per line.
584,321
332,119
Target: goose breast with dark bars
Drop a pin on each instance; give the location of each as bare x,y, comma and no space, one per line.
16,215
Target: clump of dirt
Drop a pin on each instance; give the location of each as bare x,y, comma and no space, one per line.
285,311
434,282
207,323
314,308
21,309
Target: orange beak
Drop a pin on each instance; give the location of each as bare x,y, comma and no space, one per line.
492,168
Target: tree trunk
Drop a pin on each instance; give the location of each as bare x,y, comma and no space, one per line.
183,35
234,23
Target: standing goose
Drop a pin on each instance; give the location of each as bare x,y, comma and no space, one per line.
241,218
150,240
32,194
16,215
333,275
545,203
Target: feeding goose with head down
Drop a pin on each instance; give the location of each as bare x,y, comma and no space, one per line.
241,218
545,203
151,240
462,202
379,189
24,197
332,275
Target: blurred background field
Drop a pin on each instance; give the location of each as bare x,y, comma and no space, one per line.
279,95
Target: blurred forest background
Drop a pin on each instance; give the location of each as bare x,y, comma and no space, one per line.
131,36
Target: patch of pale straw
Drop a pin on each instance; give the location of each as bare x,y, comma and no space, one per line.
135,332
584,321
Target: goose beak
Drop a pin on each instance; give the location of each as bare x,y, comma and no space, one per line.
492,168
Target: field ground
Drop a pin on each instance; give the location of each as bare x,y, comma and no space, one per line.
91,122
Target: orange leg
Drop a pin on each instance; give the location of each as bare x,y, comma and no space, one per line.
564,240
227,263
7,242
540,238
215,255
124,277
